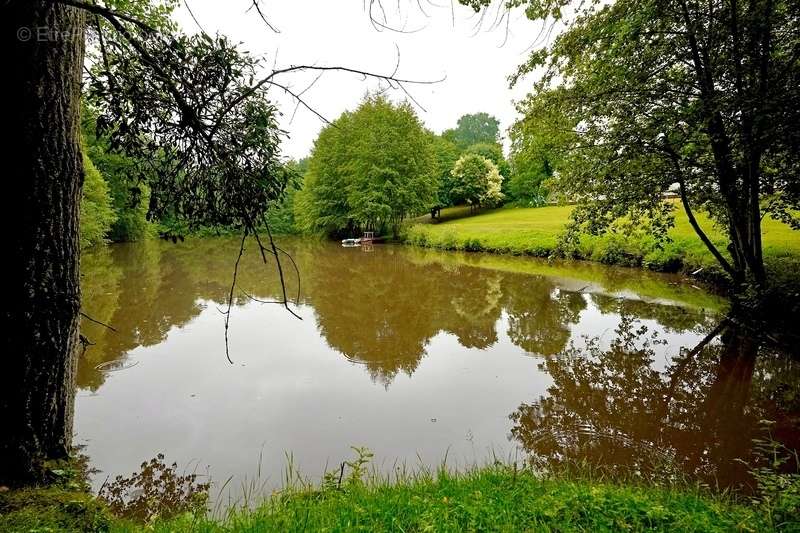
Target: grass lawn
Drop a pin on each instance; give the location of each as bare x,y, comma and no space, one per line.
535,231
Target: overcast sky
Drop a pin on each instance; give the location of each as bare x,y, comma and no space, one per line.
339,33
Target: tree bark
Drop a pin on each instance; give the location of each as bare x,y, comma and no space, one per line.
43,59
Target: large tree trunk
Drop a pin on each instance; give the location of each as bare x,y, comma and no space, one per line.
43,45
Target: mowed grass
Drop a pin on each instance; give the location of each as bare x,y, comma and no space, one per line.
535,231
508,229
496,498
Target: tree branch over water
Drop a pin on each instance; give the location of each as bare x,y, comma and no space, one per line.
195,114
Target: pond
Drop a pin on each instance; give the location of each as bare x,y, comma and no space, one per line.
421,356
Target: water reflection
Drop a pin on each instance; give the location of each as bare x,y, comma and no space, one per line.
609,407
380,309
413,353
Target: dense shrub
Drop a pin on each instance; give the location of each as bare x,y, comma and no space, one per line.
663,259
369,170
473,245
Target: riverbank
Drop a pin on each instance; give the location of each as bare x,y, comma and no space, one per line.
492,498
535,232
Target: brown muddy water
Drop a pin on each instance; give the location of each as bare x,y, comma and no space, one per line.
418,355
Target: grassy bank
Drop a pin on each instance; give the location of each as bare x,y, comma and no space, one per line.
535,231
495,498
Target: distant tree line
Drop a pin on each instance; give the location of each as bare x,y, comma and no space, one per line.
376,166
369,170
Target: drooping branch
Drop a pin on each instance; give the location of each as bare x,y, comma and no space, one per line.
275,253
227,313
206,129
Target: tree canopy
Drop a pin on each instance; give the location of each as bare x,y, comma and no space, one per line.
475,134
96,210
201,136
476,181
702,95
536,146
474,129
369,169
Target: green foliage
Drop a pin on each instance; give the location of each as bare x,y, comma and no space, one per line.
648,95
368,170
447,153
130,195
281,215
476,181
778,490
492,498
476,134
539,231
537,145
494,153
356,497
188,113
96,214
474,129
52,509
156,14
64,504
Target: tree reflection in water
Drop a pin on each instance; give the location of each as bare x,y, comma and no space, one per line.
611,409
623,401
378,309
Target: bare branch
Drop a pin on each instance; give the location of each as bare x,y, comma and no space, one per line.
300,101
299,68
277,261
90,319
230,296
191,13
255,5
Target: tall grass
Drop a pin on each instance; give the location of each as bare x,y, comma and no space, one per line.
494,497
499,496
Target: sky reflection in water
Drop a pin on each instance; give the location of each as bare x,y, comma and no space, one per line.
414,354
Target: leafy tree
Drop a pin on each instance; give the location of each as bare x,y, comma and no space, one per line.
96,212
535,148
702,95
281,215
494,153
130,197
447,154
368,170
476,181
526,185
474,129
